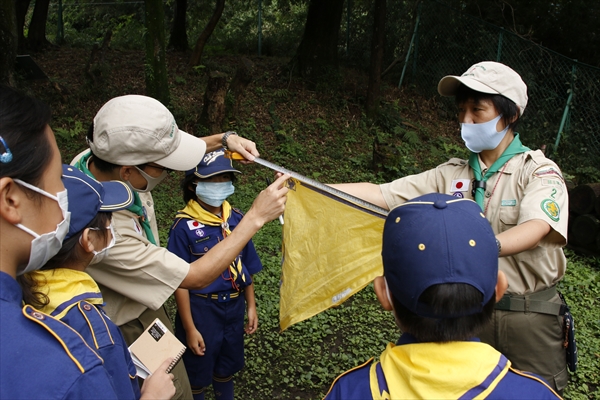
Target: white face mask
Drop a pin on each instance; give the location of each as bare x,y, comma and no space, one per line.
151,181
45,246
100,255
479,137
214,193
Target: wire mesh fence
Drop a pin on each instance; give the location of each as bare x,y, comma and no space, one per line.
563,111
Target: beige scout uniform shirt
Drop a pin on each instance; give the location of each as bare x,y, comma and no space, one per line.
530,186
136,275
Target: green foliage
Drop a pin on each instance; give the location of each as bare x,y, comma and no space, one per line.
581,288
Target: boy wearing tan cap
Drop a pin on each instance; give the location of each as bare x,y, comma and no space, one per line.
523,195
135,139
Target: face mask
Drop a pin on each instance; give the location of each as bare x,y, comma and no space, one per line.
45,246
151,182
479,137
100,255
214,193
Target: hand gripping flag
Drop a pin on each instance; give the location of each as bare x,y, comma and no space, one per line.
331,250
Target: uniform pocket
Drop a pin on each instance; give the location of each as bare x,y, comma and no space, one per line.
509,216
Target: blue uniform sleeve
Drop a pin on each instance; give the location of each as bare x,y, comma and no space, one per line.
92,383
178,242
250,259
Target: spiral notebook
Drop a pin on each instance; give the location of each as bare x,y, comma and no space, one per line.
154,346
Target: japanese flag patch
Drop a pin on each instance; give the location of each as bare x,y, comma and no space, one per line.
193,225
460,185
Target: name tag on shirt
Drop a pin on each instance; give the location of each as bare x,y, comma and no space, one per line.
460,185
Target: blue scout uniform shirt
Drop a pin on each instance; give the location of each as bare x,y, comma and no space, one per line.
43,358
459,370
190,239
76,300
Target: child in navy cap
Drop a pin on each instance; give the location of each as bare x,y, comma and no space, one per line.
441,281
63,290
211,320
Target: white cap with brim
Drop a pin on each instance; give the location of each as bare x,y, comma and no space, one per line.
488,77
135,130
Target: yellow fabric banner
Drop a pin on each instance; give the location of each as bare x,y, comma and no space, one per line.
331,250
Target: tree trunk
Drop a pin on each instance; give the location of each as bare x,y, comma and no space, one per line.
178,39
157,85
377,46
241,80
36,39
213,112
208,30
582,198
318,50
21,7
584,230
8,41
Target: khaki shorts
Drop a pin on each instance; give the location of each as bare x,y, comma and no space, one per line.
533,342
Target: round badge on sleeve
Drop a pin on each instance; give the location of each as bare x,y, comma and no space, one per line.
551,209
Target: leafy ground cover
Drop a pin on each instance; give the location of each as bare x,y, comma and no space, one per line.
319,131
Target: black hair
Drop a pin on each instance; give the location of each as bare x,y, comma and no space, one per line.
448,298
189,194
33,285
100,164
23,122
503,105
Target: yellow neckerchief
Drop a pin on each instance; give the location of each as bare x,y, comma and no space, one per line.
439,371
65,288
195,211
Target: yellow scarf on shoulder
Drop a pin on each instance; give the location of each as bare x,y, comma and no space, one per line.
65,288
439,371
195,211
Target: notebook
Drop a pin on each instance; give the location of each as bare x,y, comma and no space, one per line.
154,346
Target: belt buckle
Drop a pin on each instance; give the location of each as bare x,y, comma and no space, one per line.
503,304
224,297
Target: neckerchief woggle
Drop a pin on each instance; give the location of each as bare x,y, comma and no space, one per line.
135,208
515,147
195,211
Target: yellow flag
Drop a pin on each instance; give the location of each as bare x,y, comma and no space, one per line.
331,250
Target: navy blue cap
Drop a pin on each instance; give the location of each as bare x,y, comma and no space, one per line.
87,197
212,163
435,239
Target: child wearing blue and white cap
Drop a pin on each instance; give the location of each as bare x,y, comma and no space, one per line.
441,281
64,291
211,320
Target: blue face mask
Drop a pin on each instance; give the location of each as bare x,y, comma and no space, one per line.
479,137
214,193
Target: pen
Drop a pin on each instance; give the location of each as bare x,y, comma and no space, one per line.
281,216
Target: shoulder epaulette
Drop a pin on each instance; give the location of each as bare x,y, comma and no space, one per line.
97,324
535,378
74,345
347,372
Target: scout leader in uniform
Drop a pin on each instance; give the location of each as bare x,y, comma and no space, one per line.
523,195
135,139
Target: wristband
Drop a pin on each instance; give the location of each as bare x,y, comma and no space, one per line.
225,137
499,246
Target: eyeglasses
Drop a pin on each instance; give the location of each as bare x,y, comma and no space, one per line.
142,166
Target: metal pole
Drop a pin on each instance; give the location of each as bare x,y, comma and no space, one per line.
59,24
259,27
500,37
566,112
412,41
